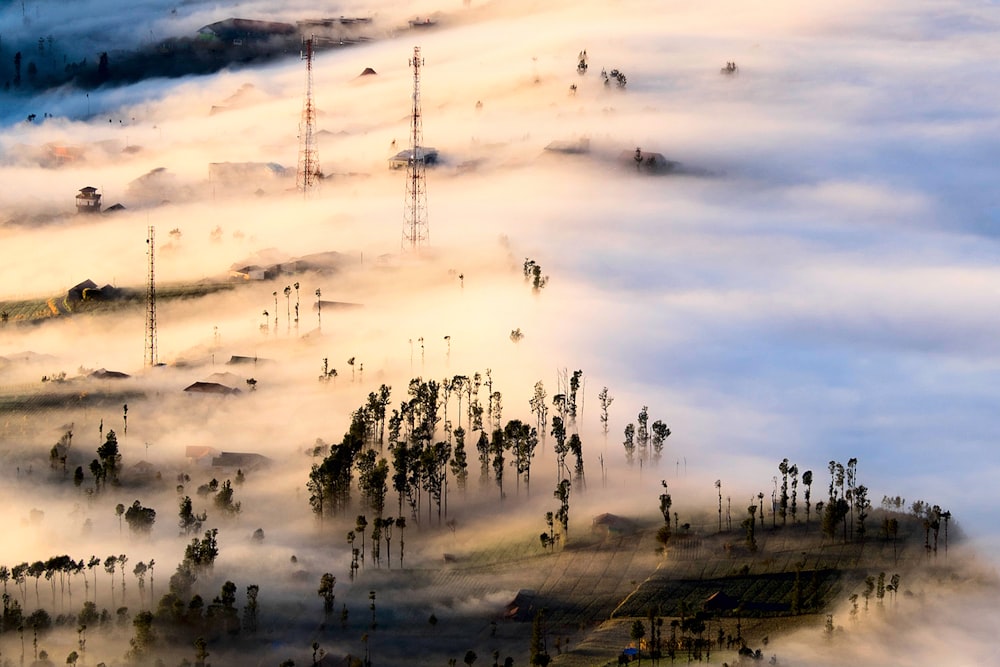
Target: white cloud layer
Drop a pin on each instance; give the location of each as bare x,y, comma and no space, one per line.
822,285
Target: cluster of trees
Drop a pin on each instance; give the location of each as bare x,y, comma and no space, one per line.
425,444
181,615
199,558
533,274
216,618
644,441
878,587
687,636
139,519
63,569
422,456
40,620
847,501
560,517
106,467
615,75
933,518
381,530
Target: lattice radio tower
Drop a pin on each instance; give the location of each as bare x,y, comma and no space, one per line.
151,359
307,175
415,230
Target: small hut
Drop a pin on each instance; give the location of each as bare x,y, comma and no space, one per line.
88,200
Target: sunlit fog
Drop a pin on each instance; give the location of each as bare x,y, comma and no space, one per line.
770,228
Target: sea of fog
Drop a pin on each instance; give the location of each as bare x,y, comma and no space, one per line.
817,281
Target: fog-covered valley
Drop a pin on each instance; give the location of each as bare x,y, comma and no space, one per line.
805,271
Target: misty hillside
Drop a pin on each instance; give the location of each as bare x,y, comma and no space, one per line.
556,332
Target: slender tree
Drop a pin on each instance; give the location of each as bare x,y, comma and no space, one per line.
539,409
561,447
605,400
459,463
140,519
326,584
401,524
718,487
793,473
288,308
110,458
562,515
538,654
660,435
497,448
189,522
630,443
360,526
637,634
642,435
252,607
110,564
783,501
807,480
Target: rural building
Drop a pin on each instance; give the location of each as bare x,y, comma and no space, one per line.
522,607
104,374
89,291
574,147
144,471
251,272
200,455
227,379
320,262
75,293
241,32
239,360
88,201
331,32
244,461
424,154
610,525
210,388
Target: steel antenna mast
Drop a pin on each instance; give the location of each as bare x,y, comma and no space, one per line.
415,229
151,358
308,173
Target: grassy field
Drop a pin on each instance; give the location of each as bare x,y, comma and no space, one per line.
29,311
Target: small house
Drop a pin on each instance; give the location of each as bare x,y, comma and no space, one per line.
245,461
105,374
522,607
252,272
610,525
424,155
572,147
211,388
76,292
88,200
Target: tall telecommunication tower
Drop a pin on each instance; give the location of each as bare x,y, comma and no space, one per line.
415,229
151,359
307,175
